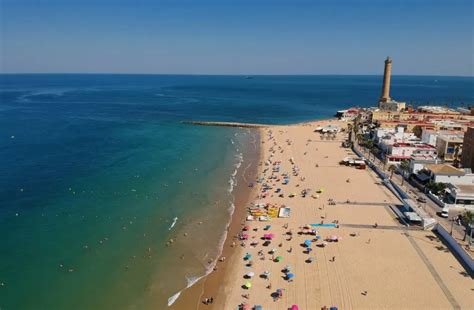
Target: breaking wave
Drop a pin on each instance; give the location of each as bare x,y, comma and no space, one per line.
174,223
190,282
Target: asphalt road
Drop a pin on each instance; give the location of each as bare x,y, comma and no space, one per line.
430,207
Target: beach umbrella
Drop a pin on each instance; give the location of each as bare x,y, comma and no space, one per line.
278,258
250,274
245,236
248,284
246,228
287,268
258,307
247,256
244,306
268,236
294,307
266,274
333,238
290,276
307,243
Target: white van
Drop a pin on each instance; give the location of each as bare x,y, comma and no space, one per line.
444,213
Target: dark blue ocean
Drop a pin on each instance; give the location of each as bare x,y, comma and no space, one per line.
97,173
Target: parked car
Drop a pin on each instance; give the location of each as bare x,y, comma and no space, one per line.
443,213
421,199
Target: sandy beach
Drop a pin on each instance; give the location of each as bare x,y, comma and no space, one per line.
368,267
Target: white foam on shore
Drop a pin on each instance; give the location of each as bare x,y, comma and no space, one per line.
190,282
173,298
210,267
174,223
232,180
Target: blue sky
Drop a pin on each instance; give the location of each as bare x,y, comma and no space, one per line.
428,37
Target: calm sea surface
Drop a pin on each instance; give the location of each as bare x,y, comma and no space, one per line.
97,173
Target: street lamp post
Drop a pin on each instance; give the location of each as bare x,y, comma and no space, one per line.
470,235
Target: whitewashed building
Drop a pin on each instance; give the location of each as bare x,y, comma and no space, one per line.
419,161
444,173
404,151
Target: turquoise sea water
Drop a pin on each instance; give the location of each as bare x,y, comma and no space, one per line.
97,173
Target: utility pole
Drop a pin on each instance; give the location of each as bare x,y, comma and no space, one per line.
452,224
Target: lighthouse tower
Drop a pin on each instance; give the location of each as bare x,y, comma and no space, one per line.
385,102
387,73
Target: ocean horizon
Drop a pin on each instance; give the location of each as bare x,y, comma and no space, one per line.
99,173
238,74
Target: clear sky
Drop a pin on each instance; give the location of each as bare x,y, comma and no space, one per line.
427,37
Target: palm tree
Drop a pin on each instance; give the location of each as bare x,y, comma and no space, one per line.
356,124
349,130
468,221
436,188
369,144
374,149
456,156
392,169
404,167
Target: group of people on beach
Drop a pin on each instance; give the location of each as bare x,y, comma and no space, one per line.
208,300
269,180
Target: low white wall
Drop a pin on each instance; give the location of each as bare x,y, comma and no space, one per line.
435,198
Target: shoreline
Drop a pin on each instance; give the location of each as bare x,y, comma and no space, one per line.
210,284
214,283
